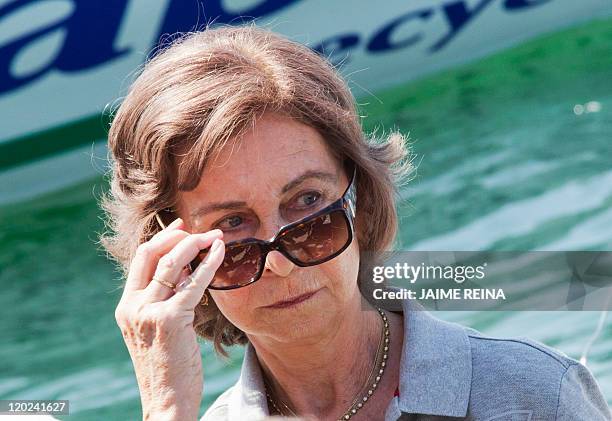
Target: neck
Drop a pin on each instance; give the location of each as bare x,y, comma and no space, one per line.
322,376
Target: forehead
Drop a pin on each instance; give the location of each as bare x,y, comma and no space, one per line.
275,150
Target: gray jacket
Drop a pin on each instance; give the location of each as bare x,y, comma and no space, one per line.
451,372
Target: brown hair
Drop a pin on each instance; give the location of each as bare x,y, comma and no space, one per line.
206,88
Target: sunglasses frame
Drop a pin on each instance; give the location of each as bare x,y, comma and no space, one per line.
346,203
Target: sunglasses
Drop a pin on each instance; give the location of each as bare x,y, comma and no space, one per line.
309,241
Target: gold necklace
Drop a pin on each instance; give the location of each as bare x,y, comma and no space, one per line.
358,402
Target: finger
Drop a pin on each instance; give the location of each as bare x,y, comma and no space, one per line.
176,224
148,253
171,264
189,294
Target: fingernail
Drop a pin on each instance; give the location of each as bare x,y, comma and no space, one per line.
214,248
175,223
216,245
185,282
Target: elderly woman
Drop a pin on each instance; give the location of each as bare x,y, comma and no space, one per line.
246,148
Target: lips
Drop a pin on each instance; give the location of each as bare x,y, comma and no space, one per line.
292,301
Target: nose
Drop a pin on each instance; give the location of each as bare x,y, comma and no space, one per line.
276,263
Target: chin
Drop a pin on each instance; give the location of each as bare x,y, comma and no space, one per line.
307,328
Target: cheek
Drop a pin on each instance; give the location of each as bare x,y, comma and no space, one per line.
344,269
234,305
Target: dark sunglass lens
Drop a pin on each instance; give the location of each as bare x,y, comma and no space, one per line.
318,238
240,265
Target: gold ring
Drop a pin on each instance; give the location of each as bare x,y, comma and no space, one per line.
164,282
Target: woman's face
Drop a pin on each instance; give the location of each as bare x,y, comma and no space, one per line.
279,172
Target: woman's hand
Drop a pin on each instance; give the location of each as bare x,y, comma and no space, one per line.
157,323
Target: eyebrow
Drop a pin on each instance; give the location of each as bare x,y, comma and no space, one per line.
238,204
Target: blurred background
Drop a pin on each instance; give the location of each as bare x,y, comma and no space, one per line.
508,104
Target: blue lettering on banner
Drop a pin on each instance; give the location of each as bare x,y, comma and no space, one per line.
521,4
92,28
381,40
90,35
183,15
337,49
458,14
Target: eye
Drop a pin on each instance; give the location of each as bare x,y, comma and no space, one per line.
230,222
308,199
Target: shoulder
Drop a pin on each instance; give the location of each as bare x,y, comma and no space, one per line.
521,372
514,355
